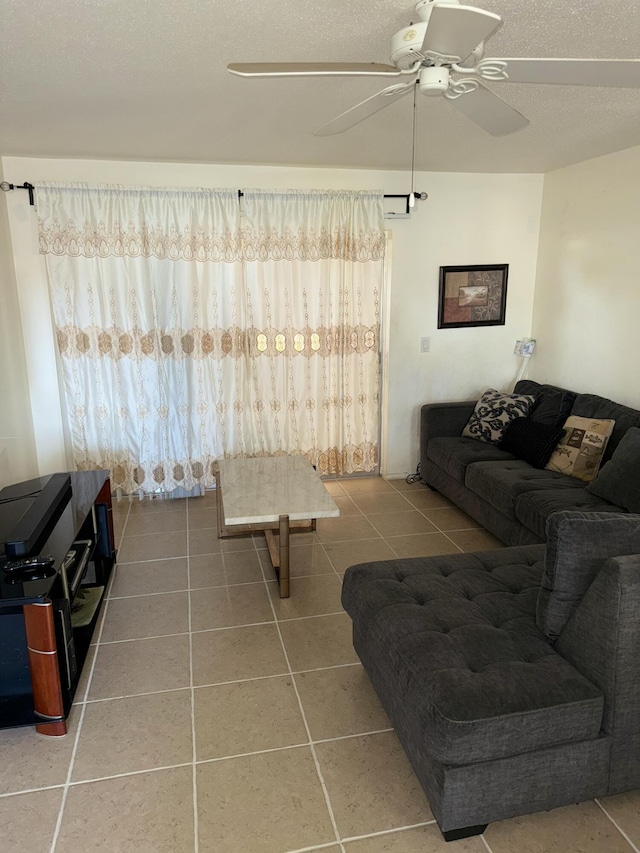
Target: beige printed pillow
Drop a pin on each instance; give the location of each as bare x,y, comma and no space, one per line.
580,452
494,412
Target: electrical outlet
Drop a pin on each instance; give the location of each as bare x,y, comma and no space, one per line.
425,344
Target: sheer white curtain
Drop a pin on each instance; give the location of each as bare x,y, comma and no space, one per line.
313,273
187,335
146,288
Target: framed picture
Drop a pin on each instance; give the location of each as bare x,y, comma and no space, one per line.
472,296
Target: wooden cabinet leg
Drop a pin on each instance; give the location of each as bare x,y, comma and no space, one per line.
43,663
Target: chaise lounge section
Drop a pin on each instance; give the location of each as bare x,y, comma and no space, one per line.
510,676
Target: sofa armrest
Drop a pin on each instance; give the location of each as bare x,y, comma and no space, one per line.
602,641
442,419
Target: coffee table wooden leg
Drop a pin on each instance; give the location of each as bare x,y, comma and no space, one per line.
220,516
283,573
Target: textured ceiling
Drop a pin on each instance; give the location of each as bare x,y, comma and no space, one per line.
146,80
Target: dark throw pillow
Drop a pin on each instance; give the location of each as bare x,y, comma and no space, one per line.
619,480
532,441
552,406
494,411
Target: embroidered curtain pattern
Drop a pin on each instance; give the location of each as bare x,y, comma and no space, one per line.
313,273
188,333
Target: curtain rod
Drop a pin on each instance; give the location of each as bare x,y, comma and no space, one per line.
6,187
406,196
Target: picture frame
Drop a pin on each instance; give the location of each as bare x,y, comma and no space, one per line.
472,296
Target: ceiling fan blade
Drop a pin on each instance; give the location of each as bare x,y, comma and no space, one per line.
364,109
312,69
457,30
624,73
489,111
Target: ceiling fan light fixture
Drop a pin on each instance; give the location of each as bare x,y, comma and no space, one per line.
434,81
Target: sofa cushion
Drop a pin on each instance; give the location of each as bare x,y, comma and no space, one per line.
454,453
552,405
578,545
531,441
500,483
580,451
533,508
592,406
456,638
493,412
619,480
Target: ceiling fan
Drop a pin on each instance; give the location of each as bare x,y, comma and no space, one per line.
443,54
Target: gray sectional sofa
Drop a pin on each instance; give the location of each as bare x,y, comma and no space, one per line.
505,494
510,676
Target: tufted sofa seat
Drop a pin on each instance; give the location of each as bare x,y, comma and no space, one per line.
455,453
510,676
480,679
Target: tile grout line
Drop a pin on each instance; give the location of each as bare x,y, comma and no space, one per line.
223,627
8,794
215,683
198,762
194,768
127,773
617,826
382,832
486,843
83,706
444,532
313,849
304,720
187,589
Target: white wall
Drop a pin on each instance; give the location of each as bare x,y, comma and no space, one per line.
17,450
468,218
587,300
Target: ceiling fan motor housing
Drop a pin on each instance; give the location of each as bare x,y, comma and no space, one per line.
406,45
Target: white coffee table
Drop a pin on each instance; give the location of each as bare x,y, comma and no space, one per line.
267,494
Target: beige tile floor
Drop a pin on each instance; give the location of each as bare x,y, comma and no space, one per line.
214,716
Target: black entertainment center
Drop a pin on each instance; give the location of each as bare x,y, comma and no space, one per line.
56,556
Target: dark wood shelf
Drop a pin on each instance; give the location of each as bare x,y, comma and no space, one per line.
41,652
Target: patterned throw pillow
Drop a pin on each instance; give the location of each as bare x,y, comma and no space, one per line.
493,414
580,452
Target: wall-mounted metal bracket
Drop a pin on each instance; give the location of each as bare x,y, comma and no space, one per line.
6,187
408,201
